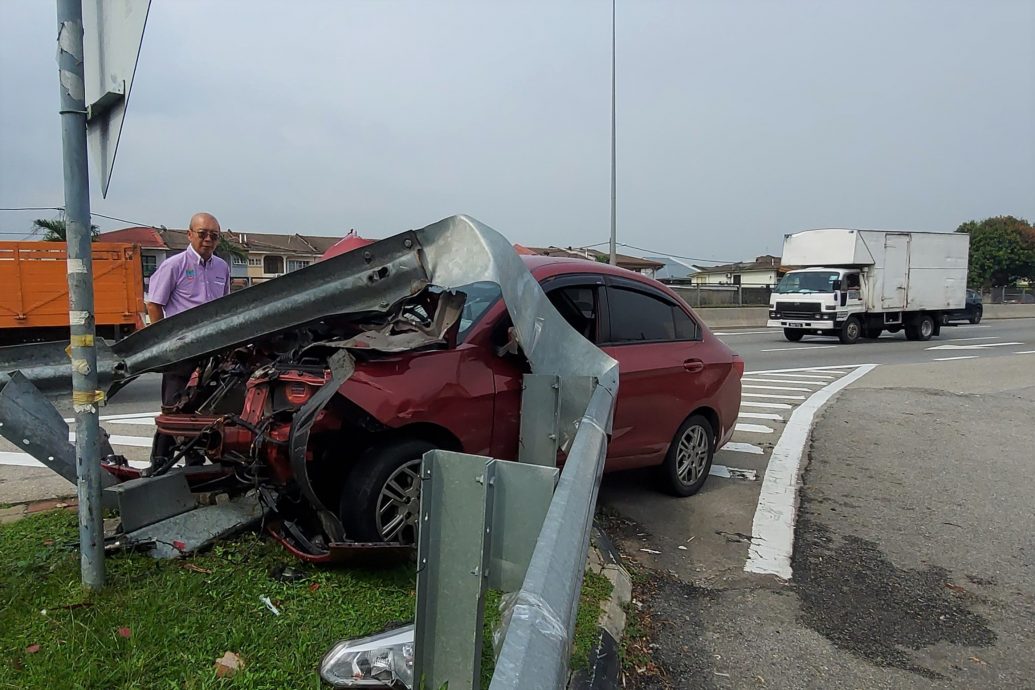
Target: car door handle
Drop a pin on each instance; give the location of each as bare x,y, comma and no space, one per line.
693,365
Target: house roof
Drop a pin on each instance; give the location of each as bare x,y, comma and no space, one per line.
346,244
290,244
147,238
766,262
672,268
634,263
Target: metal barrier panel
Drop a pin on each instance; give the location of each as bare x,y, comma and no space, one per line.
536,647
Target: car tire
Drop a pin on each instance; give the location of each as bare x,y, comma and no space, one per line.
689,457
793,334
383,488
976,317
851,331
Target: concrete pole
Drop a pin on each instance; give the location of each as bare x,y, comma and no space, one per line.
80,291
614,185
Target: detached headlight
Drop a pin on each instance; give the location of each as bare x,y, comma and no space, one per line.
378,661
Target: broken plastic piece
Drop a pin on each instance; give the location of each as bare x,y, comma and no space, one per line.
269,604
380,660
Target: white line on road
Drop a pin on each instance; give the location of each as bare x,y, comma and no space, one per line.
743,448
733,473
115,440
772,529
804,383
979,346
122,418
827,369
950,359
819,378
1025,352
800,347
779,388
754,428
984,337
13,459
742,332
776,397
771,406
760,415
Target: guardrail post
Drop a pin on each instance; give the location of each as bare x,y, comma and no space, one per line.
540,415
480,519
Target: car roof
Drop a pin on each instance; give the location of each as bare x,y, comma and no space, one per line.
554,265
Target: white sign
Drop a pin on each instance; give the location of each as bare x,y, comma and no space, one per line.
112,33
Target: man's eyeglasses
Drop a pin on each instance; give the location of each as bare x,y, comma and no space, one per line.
208,235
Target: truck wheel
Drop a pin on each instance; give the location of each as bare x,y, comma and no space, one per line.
976,317
793,334
850,331
925,327
689,457
381,497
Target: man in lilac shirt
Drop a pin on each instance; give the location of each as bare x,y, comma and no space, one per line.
192,277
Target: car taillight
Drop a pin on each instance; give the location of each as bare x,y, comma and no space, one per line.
738,366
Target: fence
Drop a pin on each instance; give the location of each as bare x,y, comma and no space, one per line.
1008,295
724,295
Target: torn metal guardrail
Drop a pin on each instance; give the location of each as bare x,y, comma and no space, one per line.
450,253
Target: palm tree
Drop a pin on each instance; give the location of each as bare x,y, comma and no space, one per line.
229,249
55,229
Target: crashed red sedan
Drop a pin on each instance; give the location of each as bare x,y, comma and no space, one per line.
358,456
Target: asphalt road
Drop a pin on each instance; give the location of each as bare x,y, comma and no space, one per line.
913,563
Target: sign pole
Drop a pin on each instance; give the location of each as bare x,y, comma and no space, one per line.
85,396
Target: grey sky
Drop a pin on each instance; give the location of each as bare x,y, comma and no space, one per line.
737,121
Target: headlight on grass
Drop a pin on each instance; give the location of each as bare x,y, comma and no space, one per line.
378,661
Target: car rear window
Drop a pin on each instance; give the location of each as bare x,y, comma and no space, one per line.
639,317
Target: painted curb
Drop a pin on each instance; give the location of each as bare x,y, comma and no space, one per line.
605,657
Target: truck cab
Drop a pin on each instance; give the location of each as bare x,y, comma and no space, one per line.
816,301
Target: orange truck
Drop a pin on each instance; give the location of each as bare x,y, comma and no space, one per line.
34,291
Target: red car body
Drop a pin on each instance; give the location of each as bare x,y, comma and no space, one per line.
469,397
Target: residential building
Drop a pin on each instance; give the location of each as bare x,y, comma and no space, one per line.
764,271
270,256
632,263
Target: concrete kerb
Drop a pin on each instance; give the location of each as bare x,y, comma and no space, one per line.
605,663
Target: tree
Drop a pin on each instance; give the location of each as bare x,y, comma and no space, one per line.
228,250
54,229
1002,251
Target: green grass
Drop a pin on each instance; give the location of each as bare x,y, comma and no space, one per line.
181,621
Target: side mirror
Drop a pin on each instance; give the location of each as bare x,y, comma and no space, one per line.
837,286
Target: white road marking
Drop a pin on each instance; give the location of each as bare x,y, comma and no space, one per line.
124,418
126,441
772,406
743,448
819,378
804,383
733,473
768,395
778,388
800,347
1025,352
772,529
754,428
979,346
826,369
984,337
950,359
742,332
13,459
760,415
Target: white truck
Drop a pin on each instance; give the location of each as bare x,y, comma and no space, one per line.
854,284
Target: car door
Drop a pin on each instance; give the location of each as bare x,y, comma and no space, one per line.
661,360
577,298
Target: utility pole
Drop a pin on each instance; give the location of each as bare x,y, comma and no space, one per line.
614,185
85,395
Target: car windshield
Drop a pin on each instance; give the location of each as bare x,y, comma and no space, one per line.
807,282
480,296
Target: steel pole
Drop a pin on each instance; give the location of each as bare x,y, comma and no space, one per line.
614,185
85,397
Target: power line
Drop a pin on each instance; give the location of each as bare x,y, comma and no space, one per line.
93,213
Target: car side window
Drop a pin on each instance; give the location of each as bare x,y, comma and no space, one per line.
578,305
639,317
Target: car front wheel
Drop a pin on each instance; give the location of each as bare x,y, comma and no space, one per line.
689,457
381,498
976,317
